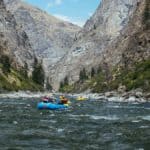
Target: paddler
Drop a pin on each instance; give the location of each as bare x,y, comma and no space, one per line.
47,99
63,100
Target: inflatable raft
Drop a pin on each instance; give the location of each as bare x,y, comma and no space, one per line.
80,98
51,106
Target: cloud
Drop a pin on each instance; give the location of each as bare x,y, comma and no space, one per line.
90,14
54,3
62,17
58,2
50,5
76,21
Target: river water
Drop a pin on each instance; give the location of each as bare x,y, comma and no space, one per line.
88,125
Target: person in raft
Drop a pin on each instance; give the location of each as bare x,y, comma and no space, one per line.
47,99
63,100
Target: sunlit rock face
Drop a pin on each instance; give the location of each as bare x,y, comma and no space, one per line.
50,38
103,40
14,41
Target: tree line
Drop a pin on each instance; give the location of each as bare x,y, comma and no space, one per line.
83,76
38,74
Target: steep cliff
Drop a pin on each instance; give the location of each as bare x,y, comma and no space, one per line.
50,38
16,55
13,40
114,36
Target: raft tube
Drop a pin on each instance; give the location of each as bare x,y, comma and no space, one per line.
51,106
81,98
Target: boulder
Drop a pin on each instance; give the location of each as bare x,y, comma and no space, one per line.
121,89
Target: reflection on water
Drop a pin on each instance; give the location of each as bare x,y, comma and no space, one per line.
87,125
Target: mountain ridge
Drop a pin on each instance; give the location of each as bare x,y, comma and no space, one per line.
100,33
50,37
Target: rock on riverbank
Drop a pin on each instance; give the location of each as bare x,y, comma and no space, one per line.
23,94
132,96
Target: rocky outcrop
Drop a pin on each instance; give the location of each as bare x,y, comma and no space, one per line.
50,38
134,43
13,40
114,35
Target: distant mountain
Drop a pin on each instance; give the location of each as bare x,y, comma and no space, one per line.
114,35
50,38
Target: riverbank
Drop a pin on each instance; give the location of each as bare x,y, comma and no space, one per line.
132,96
23,94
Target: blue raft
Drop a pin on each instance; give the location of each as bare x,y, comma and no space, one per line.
51,106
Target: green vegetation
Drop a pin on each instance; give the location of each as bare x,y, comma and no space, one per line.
67,88
64,85
93,72
14,80
146,15
6,64
137,77
83,75
38,75
24,70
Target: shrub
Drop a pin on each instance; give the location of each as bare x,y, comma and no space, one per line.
24,70
83,75
93,72
6,64
38,74
64,84
146,16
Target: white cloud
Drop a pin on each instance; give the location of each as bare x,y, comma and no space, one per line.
54,3
90,14
76,21
58,2
50,5
62,17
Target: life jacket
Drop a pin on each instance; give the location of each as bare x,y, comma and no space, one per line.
45,99
64,101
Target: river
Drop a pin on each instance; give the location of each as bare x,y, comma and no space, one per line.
86,125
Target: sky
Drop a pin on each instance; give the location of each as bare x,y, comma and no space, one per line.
75,11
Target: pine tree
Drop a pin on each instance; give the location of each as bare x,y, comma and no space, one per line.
5,60
83,76
99,69
38,74
61,85
66,82
24,70
92,72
